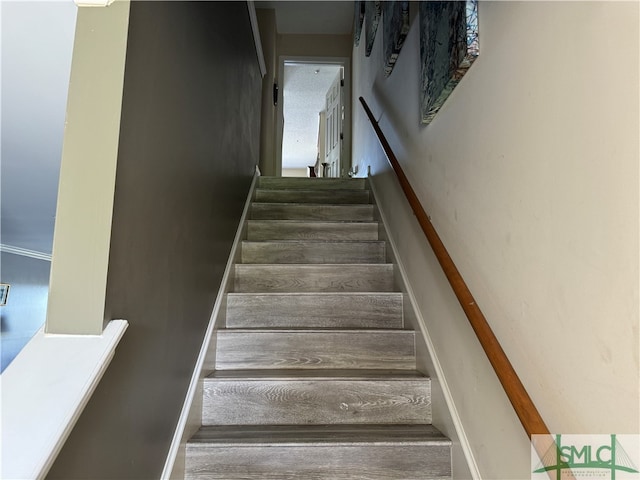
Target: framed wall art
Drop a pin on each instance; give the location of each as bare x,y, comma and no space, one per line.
4,293
395,27
372,11
358,19
448,47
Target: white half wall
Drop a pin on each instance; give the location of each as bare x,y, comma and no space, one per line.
530,175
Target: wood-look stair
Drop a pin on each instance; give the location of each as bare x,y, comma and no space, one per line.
314,375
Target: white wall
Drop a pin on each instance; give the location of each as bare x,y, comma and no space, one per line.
530,175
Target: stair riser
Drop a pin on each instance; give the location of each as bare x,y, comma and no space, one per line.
313,252
259,230
281,183
289,211
312,196
314,278
320,402
246,349
404,461
309,311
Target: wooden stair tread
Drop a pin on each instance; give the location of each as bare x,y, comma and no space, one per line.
311,211
356,206
337,195
314,278
318,266
318,223
311,189
313,251
333,435
337,331
258,230
323,400
316,294
240,349
316,183
313,242
321,309
333,374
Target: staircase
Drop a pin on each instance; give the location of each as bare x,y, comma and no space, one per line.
314,375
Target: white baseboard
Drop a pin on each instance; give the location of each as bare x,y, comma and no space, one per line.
455,417
181,434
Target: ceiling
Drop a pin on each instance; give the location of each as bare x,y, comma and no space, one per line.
330,18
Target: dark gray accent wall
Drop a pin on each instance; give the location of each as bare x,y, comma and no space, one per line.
188,146
26,308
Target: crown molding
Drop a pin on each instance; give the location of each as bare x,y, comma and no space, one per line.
25,252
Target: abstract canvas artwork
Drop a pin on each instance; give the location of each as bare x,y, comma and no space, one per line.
358,18
448,47
372,12
395,27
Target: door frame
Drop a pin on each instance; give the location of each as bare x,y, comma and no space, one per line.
344,62
334,125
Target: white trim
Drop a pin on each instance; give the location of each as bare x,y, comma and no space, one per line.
455,417
25,252
44,391
179,441
93,3
253,18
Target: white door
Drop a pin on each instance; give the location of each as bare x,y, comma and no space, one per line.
333,131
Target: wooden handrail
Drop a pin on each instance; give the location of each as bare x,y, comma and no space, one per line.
517,394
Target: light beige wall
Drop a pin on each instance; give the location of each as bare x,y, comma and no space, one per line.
295,172
268,35
301,45
87,173
530,175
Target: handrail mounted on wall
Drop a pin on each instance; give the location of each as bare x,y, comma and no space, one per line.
513,387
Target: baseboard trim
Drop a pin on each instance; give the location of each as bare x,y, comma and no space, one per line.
181,435
455,417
